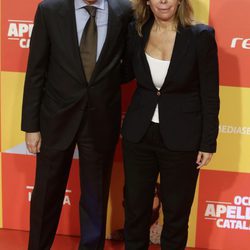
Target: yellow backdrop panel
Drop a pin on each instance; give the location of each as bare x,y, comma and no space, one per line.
201,10
11,101
234,136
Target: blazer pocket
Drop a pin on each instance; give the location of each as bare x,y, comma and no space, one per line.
191,107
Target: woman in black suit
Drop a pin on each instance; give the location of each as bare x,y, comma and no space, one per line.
171,125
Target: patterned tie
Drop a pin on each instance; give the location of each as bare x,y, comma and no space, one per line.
88,44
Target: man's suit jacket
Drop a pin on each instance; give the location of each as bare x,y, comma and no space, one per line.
189,98
56,93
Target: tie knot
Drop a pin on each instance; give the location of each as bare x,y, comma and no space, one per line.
91,10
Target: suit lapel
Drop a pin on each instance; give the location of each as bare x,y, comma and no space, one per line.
68,28
181,44
144,39
180,48
113,29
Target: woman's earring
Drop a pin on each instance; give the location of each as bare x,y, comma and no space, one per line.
148,3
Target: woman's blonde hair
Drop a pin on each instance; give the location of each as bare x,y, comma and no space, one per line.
142,13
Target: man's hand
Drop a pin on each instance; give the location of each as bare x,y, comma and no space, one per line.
33,142
203,159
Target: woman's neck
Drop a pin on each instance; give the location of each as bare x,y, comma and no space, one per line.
164,26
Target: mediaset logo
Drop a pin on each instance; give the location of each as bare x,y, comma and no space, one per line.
240,42
66,201
229,129
229,215
20,31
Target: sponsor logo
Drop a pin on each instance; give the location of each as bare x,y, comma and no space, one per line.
229,215
66,201
20,31
240,42
233,41
223,210
229,129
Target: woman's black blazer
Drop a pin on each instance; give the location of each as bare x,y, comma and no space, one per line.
189,98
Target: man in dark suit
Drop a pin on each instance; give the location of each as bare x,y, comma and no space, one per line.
72,97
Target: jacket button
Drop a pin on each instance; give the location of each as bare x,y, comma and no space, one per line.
158,93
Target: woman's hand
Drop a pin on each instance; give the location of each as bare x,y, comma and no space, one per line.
203,159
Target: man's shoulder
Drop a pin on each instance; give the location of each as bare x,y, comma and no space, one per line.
122,6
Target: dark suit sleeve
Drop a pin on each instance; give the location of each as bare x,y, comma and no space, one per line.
36,74
127,68
209,88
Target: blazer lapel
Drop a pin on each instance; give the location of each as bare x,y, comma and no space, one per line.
180,48
68,28
144,39
181,44
113,30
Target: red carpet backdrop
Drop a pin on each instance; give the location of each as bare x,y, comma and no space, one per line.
220,217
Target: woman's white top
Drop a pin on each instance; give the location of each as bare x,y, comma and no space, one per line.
159,70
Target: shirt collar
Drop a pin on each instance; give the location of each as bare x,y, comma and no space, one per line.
80,4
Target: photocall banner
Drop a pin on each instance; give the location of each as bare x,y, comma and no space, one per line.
224,210
220,217
231,22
